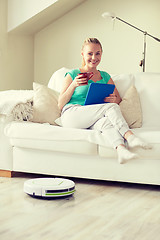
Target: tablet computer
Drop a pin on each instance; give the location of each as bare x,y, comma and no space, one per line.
97,92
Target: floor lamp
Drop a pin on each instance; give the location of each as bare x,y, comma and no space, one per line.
113,16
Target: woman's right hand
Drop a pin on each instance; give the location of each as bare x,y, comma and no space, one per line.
68,88
80,81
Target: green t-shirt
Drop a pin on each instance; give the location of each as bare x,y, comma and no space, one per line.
80,92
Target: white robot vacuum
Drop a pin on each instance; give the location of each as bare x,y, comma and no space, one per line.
49,187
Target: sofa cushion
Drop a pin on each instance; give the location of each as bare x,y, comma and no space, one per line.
150,135
123,82
66,146
148,85
49,137
56,79
142,153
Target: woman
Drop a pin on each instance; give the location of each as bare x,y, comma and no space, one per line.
107,117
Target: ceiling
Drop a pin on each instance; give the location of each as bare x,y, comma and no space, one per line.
46,17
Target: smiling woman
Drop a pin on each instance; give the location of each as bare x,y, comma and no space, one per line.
97,44
105,118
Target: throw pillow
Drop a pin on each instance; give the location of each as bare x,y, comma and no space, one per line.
131,108
45,104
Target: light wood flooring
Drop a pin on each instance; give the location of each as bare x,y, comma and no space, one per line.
97,211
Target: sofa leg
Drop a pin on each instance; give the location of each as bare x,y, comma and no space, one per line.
6,173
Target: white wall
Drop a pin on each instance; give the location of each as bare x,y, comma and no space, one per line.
60,43
16,56
20,11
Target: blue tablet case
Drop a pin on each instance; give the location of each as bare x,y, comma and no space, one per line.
97,92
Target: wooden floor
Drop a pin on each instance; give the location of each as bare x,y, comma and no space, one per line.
97,211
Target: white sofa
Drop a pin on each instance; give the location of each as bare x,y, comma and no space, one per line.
49,149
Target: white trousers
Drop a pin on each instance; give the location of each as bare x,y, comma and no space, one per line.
106,118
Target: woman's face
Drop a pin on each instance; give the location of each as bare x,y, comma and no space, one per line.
92,54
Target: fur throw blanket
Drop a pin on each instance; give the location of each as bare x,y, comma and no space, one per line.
17,104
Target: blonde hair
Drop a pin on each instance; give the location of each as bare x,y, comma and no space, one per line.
87,41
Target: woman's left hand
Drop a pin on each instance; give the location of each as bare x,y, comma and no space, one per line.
111,98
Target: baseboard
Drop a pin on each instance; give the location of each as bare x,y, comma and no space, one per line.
6,173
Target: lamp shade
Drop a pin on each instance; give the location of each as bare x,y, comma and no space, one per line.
108,14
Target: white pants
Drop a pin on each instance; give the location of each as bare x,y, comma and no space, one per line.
106,118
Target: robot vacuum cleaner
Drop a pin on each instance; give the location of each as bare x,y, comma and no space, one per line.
49,187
